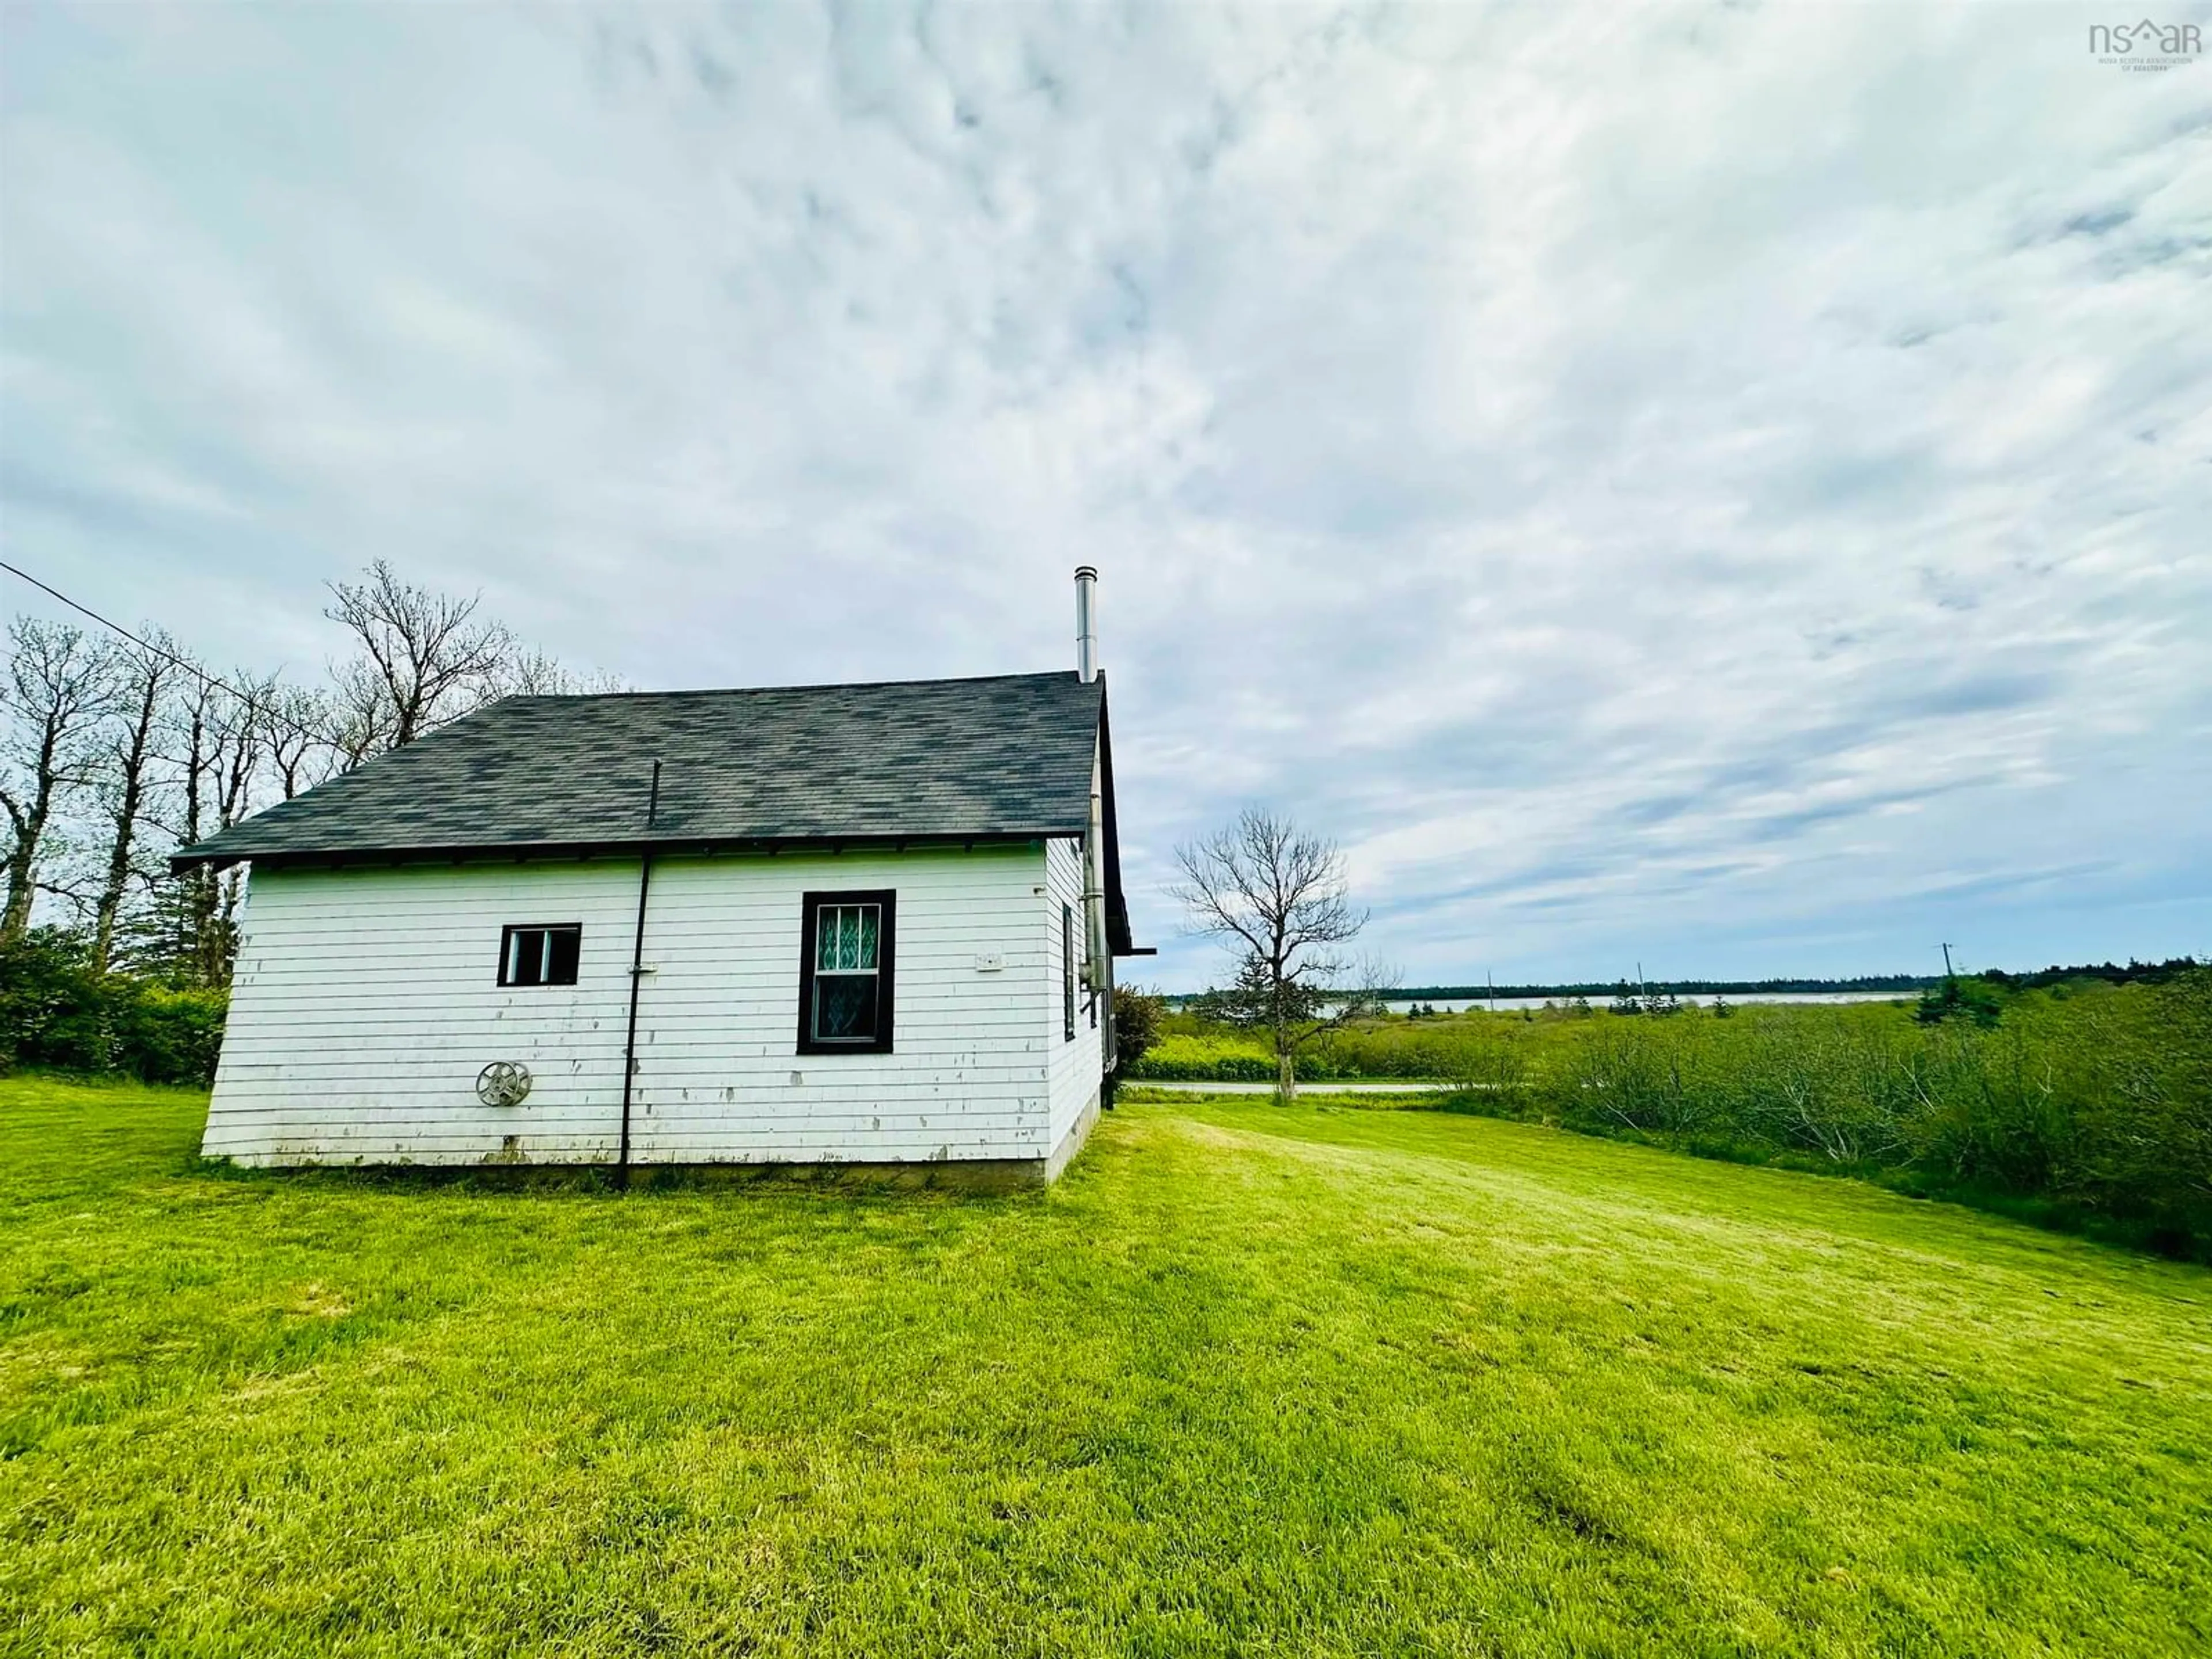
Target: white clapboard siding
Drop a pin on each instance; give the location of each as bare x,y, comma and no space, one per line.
366,1001
1074,1067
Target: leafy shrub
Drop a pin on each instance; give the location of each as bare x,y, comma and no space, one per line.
56,1012
1961,999
1137,1017
1182,1057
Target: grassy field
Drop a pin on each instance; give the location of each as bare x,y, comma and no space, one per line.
2084,1103
1248,1381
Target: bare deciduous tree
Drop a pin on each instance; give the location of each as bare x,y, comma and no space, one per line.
532,673
55,690
297,734
235,757
139,678
191,715
424,658
218,752
1279,899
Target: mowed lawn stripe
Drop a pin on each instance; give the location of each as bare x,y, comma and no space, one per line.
1247,1381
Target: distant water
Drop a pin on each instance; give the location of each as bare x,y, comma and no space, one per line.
1457,1004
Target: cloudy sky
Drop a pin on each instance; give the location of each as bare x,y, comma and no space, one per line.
1728,487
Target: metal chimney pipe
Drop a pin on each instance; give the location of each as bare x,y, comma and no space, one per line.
1098,961
1086,622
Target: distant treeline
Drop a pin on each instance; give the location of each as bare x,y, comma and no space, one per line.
2134,973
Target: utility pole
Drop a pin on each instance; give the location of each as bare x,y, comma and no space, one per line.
1947,973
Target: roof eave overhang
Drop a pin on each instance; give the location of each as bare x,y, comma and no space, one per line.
1119,940
658,846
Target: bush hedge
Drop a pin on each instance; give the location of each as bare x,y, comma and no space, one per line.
55,1011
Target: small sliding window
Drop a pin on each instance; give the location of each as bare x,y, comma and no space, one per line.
544,953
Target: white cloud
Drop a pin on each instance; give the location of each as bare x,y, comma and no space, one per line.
1721,484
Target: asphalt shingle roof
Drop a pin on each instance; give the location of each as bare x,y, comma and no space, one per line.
1006,756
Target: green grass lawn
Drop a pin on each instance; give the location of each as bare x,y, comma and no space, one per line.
1247,1381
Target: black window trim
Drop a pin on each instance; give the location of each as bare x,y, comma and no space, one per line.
507,946
810,906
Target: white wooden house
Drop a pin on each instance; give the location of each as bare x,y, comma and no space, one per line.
809,924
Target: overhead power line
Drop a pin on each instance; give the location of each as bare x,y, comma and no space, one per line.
253,702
